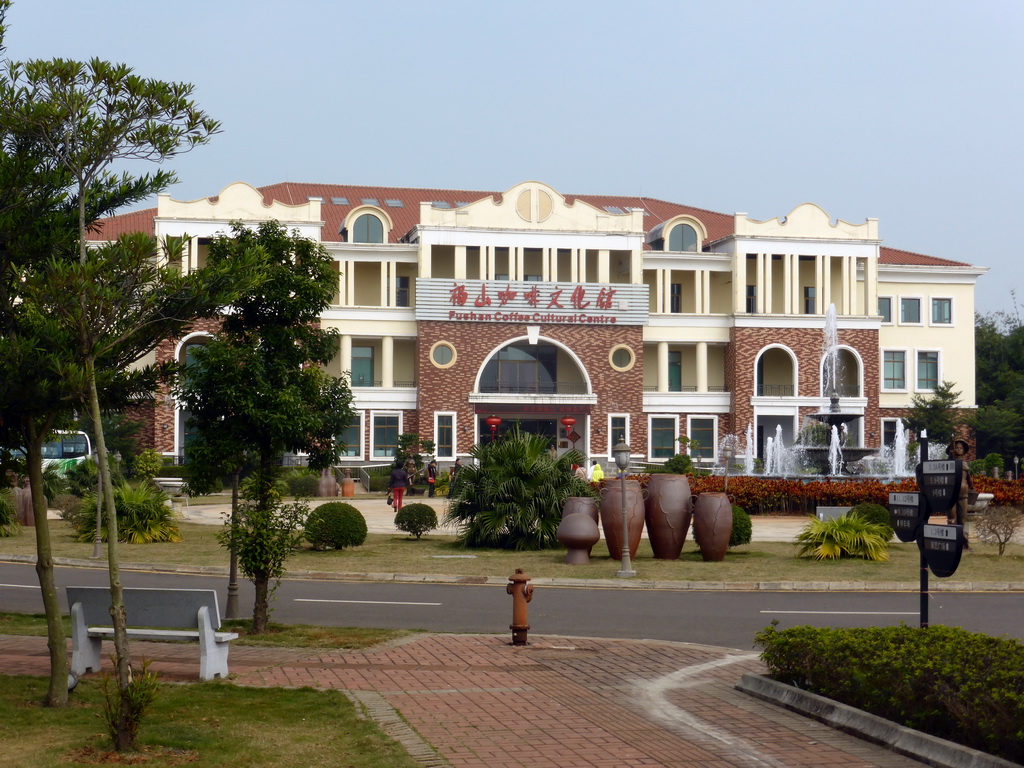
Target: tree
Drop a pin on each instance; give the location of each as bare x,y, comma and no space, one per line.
936,413
512,496
999,420
257,390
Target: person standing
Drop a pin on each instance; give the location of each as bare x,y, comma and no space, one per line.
958,450
454,472
397,482
596,473
431,477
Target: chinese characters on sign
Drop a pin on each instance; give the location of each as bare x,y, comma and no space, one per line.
532,302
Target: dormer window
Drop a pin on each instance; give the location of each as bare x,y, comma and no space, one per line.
368,229
682,237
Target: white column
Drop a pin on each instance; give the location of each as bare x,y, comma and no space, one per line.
768,282
460,262
545,265
520,263
759,282
819,283
604,266
845,303
787,283
826,277
350,284
661,300
489,273
346,354
705,280
663,366
871,286
387,363
739,283
702,366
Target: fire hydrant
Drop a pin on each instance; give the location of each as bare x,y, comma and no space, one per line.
522,593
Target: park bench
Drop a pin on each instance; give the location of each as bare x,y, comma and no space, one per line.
152,614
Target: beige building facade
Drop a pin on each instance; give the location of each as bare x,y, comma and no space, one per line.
594,318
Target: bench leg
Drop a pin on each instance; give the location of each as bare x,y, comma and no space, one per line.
85,650
213,656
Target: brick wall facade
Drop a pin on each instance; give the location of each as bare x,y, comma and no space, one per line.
447,389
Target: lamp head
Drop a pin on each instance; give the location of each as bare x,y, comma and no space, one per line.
621,453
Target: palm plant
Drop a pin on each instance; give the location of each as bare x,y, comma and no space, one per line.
143,516
511,496
847,536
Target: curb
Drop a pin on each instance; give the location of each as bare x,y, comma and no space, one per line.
496,581
900,739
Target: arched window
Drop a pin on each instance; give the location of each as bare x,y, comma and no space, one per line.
368,229
683,237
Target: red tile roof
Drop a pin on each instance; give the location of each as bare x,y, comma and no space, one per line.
406,216
894,256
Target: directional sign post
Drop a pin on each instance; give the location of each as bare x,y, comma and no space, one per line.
906,513
942,546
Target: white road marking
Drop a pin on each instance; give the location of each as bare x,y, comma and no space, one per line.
849,612
358,602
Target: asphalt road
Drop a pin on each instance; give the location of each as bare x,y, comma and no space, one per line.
720,618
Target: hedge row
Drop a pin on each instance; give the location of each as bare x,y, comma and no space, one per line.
954,684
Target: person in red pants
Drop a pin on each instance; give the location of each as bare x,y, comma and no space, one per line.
397,482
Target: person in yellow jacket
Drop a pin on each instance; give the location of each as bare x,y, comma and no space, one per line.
596,474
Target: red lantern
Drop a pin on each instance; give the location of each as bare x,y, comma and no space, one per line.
567,422
493,421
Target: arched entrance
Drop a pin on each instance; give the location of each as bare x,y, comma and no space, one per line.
538,385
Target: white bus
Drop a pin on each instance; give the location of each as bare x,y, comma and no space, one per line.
66,449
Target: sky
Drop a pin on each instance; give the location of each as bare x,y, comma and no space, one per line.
905,111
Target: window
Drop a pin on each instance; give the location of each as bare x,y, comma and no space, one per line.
910,311
810,303
522,368
683,237
885,308
618,431
362,366
663,438
444,433
675,371
385,435
942,311
701,431
751,299
622,358
889,432
894,375
401,291
677,298
351,438
927,370
442,355
368,229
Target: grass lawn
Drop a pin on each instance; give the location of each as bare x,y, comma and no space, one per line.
206,725
441,555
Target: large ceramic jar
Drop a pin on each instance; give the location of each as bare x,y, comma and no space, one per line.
611,515
669,507
585,504
578,533
712,525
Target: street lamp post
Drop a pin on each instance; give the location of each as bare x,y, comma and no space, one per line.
621,453
1016,473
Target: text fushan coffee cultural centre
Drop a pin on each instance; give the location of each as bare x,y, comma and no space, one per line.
590,318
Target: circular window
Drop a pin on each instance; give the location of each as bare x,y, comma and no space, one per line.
442,354
622,358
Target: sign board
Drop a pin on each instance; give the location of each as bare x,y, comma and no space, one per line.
939,481
942,546
905,515
830,513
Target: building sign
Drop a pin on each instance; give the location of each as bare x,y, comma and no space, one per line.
942,546
546,409
503,301
940,483
905,515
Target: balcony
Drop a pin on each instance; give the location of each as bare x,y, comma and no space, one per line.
718,388
534,388
775,390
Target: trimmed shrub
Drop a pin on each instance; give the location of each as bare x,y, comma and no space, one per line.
416,519
945,681
680,464
148,464
873,513
68,504
335,524
142,516
742,528
302,484
8,514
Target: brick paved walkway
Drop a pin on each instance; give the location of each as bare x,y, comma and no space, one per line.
471,701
